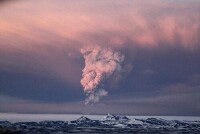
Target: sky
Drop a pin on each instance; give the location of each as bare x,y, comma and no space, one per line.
146,55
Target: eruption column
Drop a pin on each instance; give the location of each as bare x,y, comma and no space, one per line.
100,63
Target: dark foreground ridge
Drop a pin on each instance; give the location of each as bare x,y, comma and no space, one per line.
109,124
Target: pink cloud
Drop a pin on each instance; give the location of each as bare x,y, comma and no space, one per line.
46,31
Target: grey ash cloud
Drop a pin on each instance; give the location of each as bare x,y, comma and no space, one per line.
41,63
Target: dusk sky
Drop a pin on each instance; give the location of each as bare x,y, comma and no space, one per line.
145,56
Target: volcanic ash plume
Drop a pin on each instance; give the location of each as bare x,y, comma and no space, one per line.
100,63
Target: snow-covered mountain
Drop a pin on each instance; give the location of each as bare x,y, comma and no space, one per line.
84,121
111,117
109,124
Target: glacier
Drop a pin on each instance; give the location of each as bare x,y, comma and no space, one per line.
106,124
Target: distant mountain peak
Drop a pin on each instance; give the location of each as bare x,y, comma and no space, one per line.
113,117
83,119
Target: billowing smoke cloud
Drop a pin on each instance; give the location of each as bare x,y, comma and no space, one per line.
100,63
94,96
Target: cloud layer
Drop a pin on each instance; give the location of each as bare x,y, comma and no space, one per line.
40,46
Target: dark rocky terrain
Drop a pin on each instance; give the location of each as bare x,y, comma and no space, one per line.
109,124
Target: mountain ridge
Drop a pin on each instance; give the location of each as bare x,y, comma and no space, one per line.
108,124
